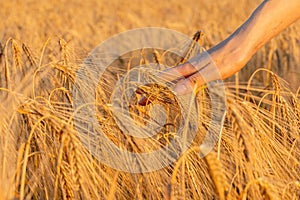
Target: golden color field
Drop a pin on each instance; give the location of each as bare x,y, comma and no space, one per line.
43,43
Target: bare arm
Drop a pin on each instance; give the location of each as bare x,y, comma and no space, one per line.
269,19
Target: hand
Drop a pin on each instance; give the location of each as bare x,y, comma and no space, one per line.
229,56
192,74
187,77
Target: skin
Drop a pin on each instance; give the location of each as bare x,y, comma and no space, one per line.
232,54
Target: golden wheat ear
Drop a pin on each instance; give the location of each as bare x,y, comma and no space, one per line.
1,49
29,55
198,37
216,173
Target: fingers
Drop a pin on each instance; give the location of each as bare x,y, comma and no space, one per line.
184,70
177,72
188,85
208,73
174,74
190,75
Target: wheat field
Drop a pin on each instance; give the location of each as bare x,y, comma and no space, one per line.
43,44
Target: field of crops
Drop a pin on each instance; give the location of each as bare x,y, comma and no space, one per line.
43,44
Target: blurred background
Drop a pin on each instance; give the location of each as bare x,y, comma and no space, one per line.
85,24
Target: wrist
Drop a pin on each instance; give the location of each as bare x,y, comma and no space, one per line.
230,55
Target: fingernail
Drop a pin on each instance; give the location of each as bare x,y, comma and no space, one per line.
181,89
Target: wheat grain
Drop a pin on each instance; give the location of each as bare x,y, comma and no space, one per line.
216,173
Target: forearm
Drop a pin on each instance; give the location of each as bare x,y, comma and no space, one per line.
270,18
